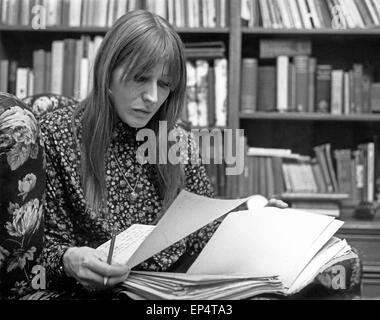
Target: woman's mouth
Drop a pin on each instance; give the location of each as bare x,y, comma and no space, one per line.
141,112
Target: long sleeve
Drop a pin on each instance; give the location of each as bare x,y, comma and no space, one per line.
59,232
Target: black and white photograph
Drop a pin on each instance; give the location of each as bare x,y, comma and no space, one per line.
189,158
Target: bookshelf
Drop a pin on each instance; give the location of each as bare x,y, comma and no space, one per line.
19,41
303,116
300,132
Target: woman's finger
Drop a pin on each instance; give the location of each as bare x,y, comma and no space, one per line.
277,203
107,270
115,280
90,280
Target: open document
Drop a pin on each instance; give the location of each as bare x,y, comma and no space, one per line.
263,250
291,244
188,213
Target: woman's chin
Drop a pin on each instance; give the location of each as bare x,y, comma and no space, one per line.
136,123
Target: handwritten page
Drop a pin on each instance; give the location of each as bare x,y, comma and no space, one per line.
188,213
127,242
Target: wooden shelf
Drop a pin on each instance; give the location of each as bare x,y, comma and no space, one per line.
302,116
311,32
103,30
361,226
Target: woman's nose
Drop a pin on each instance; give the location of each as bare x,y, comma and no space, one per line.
151,92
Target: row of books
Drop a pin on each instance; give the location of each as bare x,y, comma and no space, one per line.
311,14
300,84
66,69
103,13
356,171
206,98
275,172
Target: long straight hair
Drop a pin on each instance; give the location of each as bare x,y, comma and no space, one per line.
138,41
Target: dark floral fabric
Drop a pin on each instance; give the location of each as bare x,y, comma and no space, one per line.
70,222
42,103
22,185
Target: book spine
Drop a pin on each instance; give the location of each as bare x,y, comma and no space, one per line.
270,185
359,173
22,83
279,184
364,13
275,48
330,166
39,67
346,93
291,88
191,93
323,88
318,176
266,97
12,77
375,97
249,77
57,66
301,64
321,159
311,84
358,87
211,96
4,71
202,91
69,69
366,93
337,92
344,172
305,14
282,83
313,14
295,13
221,79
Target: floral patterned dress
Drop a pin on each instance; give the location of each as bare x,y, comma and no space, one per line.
70,222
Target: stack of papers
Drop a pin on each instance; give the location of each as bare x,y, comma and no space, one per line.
293,244
263,250
180,286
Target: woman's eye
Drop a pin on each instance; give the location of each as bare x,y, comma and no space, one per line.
141,79
164,84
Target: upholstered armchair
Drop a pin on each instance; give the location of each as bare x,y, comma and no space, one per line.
42,103
22,185
22,188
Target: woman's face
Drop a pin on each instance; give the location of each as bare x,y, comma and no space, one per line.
138,99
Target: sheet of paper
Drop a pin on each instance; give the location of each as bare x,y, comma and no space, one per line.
127,242
308,255
313,268
188,213
263,242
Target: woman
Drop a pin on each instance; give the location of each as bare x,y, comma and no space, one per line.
95,186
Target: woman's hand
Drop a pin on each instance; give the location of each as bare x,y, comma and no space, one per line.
89,267
277,203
